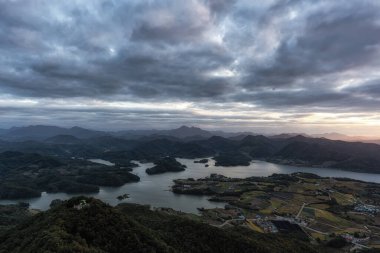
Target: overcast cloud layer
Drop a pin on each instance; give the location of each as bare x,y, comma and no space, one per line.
269,66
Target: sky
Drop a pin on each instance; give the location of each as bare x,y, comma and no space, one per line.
264,66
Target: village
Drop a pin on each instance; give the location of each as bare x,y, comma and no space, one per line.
301,204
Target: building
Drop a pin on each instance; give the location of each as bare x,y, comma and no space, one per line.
363,208
82,204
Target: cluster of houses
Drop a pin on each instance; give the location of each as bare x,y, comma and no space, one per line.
266,225
186,186
363,208
352,239
236,211
217,177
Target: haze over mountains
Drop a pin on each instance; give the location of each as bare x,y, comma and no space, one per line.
57,134
228,149
41,132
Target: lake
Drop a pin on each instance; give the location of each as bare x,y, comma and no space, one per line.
155,189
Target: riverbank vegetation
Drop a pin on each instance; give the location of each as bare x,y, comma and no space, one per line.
24,175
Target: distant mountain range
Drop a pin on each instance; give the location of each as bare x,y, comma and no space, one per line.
296,150
183,132
54,133
343,137
62,135
41,132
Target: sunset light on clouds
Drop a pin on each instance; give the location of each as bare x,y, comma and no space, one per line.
261,66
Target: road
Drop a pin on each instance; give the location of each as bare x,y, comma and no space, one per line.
227,222
300,211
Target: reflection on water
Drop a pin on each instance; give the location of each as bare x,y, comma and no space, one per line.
155,189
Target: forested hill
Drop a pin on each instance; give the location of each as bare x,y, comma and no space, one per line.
88,225
296,150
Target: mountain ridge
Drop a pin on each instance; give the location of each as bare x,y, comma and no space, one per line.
187,133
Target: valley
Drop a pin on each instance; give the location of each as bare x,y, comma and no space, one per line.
306,205
315,190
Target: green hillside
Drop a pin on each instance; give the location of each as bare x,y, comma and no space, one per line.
96,227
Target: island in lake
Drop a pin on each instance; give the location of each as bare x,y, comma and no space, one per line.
166,164
205,160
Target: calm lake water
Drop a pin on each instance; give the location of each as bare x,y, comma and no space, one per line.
155,189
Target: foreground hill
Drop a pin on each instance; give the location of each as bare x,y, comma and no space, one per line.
88,225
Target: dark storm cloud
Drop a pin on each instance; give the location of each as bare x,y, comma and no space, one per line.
332,41
308,63
296,98
271,54
83,52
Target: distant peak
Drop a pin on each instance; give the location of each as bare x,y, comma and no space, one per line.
76,128
187,127
299,137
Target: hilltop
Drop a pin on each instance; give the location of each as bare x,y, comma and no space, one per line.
88,225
